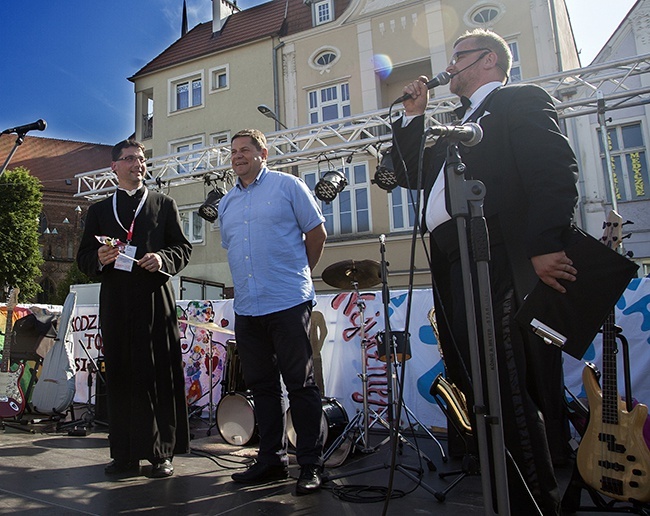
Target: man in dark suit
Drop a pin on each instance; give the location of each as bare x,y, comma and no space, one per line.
529,172
145,379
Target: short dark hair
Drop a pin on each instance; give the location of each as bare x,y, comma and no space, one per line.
125,144
257,136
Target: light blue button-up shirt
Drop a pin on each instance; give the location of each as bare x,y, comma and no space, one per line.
262,229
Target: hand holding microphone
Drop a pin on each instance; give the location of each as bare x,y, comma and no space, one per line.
441,78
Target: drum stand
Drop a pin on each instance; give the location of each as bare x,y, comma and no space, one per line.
411,418
362,418
210,404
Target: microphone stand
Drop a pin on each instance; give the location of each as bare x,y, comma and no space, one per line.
466,201
19,140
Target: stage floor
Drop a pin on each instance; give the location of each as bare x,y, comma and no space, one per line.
46,469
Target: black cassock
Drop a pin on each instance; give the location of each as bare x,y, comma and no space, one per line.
145,379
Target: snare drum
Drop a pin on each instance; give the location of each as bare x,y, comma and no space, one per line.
333,422
401,343
236,418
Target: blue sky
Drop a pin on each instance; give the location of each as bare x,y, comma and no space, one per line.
67,62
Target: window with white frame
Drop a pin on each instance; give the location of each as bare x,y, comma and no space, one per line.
329,103
186,92
324,58
402,212
485,14
515,70
349,213
322,11
187,162
220,138
628,162
193,225
219,78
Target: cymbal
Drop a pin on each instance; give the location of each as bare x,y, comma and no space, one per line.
208,326
365,273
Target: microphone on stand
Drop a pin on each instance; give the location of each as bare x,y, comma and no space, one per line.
441,78
469,134
39,125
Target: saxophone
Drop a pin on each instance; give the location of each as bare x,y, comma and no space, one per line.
452,396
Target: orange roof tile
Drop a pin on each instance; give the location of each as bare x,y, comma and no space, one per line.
54,161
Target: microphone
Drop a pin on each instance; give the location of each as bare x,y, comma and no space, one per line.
470,134
441,78
39,125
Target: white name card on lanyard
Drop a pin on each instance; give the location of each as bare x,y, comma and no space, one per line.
123,263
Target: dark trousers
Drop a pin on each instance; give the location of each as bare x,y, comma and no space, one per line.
523,424
273,345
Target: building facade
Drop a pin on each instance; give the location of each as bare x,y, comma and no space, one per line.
308,63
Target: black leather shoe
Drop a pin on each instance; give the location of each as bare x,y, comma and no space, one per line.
162,469
259,473
116,467
310,479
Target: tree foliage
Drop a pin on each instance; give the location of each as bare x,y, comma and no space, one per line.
73,277
20,207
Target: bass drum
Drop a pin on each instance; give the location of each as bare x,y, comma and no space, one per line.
236,418
332,424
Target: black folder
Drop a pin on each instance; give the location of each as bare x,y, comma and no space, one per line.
572,320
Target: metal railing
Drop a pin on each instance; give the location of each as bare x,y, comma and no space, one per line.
574,92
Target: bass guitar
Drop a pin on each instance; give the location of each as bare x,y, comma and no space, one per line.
613,457
12,399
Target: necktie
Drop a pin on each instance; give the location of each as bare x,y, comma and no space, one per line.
465,103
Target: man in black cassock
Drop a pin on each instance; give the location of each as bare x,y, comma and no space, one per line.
145,381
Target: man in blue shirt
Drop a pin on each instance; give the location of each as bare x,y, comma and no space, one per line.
273,231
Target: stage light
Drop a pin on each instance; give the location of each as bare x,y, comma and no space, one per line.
209,210
330,185
385,177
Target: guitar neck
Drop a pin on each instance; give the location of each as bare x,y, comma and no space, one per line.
609,379
6,350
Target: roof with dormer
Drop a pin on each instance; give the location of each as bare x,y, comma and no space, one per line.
274,18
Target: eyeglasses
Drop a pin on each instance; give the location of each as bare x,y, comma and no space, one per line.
130,159
455,57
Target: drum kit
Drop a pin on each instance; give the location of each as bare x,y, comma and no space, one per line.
210,327
235,414
355,275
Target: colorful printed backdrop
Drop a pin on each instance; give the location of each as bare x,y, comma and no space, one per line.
343,359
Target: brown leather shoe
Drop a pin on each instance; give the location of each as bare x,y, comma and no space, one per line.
310,479
259,473
115,467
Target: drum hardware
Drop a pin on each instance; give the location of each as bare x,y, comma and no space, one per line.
236,420
210,328
334,421
412,472
401,351
351,273
356,274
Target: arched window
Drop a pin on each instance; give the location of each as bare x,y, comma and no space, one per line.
484,14
323,58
